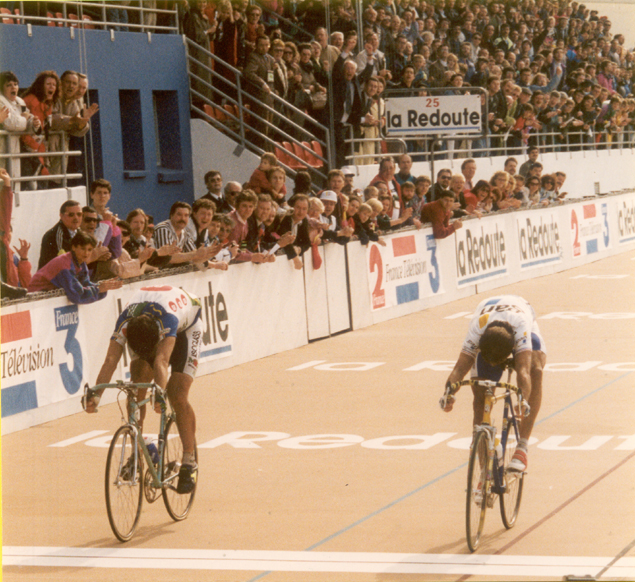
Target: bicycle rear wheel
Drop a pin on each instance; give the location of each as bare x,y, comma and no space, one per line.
510,500
177,505
124,483
477,491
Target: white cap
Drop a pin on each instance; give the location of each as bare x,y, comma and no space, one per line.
349,171
329,196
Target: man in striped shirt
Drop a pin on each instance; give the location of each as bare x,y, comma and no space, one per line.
172,231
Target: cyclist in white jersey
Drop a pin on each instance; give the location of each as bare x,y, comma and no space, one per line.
502,326
162,326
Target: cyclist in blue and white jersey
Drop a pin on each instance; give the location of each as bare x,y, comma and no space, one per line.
502,326
162,326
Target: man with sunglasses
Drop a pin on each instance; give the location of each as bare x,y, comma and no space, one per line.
162,326
57,240
501,327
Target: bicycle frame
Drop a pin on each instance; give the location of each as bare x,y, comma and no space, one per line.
497,471
156,396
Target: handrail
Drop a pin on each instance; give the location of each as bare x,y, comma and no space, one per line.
242,96
102,6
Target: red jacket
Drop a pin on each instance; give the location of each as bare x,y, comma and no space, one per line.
436,213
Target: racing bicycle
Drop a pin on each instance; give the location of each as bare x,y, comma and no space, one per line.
490,454
126,483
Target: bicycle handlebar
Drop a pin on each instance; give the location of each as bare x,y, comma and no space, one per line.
128,387
451,389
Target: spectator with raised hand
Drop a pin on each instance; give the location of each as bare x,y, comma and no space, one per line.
172,231
40,97
15,269
68,118
19,119
70,272
349,105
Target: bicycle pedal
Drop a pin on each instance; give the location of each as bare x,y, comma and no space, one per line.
490,500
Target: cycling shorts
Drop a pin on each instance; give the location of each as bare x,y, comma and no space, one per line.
186,352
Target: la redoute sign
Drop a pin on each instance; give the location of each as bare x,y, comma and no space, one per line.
411,116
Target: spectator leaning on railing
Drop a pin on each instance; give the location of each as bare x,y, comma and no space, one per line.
19,119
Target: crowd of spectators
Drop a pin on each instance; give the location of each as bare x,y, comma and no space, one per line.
555,73
543,64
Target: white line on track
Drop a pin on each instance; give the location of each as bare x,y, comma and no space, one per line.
347,562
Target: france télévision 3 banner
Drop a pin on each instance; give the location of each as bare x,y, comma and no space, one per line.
404,270
48,352
590,230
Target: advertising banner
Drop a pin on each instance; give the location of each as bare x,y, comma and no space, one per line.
405,270
589,228
539,239
433,114
626,220
481,252
44,356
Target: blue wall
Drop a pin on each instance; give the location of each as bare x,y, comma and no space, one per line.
130,62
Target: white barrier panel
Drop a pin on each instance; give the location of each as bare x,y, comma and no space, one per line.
317,309
337,288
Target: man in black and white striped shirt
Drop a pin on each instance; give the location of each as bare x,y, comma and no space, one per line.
172,231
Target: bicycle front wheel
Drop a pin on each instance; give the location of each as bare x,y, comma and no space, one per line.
124,483
177,505
477,491
510,500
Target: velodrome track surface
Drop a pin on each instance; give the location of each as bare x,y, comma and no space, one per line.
378,508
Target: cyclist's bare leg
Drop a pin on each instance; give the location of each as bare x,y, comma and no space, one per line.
538,361
141,371
178,389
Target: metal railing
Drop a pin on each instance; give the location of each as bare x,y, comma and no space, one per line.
463,146
88,15
7,157
240,126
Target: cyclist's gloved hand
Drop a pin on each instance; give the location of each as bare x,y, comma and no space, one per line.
90,400
447,401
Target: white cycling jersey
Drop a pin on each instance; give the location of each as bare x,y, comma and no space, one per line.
511,309
175,310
